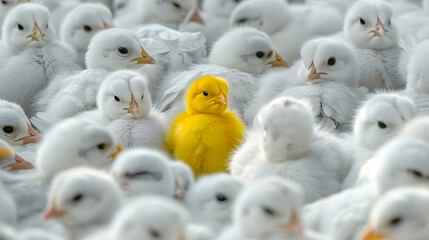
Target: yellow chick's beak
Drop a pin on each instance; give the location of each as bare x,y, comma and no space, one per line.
52,212
118,150
134,107
145,59
19,164
221,100
369,234
294,225
33,136
279,62
106,25
37,33
312,73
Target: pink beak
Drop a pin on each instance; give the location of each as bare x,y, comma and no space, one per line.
381,30
33,136
196,17
20,164
312,73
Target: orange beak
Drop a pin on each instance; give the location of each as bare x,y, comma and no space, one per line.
20,164
33,136
52,212
134,107
37,33
312,73
369,234
279,62
118,150
145,59
221,100
106,25
196,17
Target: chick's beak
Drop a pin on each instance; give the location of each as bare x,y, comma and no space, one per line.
134,107
369,234
19,164
221,99
279,62
37,33
380,29
145,59
294,226
312,73
106,25
52,212
21,1
196,17
118,150
33,136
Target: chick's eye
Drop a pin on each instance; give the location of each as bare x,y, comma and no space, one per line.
416,173
395,221
205,93
117,99
122,50
268,211
87,28
362,22
102,146
20,27
381,125
177,5
221,198
8,129
155,233
332,61
242,20
77,198
4,2
388,22
260,54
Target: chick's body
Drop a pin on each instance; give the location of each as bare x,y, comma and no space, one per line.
204,135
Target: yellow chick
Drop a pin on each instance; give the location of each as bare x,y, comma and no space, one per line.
204,134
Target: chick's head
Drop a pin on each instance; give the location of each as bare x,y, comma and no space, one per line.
207,94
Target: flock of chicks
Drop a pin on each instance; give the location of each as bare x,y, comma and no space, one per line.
217,119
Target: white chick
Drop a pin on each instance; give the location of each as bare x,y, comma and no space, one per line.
211,199
269,209
289,26
379,120
150,218
417,129
109,50
369,27
8,209
343,216
75,142
184,178
144,171
82,199
169,13
174,52
15,127
238,57
80,25
417,76
11,161
399,214
287,146
125,102
327,79
29,41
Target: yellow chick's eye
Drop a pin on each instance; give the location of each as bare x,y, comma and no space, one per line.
102,146
205,93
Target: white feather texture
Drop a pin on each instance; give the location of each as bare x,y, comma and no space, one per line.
289,26
234,57
144,172
29,41
370,28
343,216
286,145
80,25
327,79
109,50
